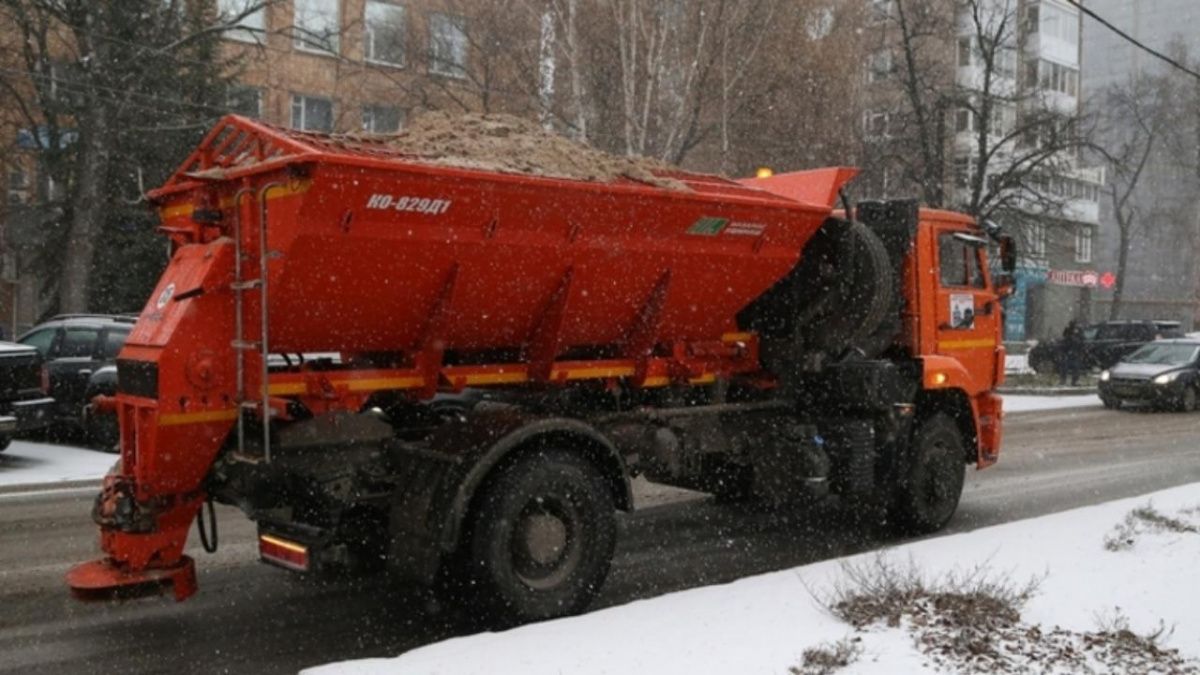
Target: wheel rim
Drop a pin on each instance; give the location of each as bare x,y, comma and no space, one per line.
545,542
1189,399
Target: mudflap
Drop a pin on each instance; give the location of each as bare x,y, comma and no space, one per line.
105,580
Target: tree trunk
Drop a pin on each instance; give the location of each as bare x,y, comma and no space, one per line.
87,211
1114,311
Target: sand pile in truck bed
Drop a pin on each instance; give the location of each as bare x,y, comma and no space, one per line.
509,144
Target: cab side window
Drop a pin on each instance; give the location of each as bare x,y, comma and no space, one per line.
959,263
41,340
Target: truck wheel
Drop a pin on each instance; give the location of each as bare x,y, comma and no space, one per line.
932,484
543,536
102,432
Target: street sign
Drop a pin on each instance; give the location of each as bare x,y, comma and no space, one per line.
1082,278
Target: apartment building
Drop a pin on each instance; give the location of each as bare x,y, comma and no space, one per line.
1034,70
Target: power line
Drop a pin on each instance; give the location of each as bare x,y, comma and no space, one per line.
1129,38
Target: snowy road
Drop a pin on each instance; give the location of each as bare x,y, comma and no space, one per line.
251,618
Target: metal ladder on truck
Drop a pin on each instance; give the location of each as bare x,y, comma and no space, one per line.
240,286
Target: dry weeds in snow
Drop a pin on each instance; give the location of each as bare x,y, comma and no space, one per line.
970,622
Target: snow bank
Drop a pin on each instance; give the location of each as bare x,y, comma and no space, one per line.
1015,403
25,463
1017,364
763,624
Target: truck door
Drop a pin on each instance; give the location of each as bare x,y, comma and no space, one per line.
968,314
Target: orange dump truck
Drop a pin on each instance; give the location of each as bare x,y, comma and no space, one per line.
433,371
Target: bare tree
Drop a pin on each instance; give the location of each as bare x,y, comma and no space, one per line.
1140,116
87,70
955,73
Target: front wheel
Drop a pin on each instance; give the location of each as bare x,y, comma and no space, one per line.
5,441
932,483
542,538
1188,400
1110,402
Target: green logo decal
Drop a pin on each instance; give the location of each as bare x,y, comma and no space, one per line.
708,226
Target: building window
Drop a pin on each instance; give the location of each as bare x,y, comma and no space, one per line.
962,120
245,101
1031,18
881,10
312,114
315,25
18,186
875,124
964,171
1037,240
1060,78
384,38
879,65
1083,243
964,51
448,45
379,119
251,26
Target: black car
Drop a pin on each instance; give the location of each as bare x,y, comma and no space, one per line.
1164,374
76,347
23,402
1104,344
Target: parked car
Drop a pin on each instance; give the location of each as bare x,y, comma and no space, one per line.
24,405
1165,374
1104,344
76,349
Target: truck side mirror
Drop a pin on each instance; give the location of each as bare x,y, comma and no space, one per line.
1008,254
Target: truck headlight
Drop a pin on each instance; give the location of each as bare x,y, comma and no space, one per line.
1166,379
1105,375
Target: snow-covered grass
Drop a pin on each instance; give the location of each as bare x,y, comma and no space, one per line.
1015,403
27,463
765,624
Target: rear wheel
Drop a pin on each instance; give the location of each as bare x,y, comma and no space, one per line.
931,485
5,441
542,539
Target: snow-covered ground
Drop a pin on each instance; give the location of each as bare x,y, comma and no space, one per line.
763,624
1017,364
1015,403
26,463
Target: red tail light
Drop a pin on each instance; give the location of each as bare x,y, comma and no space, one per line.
283,553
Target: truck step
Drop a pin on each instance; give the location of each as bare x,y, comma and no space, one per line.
248,285
248,345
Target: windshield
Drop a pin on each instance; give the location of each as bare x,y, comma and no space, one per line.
1165,354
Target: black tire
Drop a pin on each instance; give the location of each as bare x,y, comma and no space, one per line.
542,538
102,432
1110,402
931,485
1040,362
5,441
1188,400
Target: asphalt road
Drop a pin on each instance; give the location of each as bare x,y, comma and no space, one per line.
251,618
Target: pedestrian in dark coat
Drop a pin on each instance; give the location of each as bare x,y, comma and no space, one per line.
1071,354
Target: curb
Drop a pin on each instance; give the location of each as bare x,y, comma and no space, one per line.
56,485
1046,391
